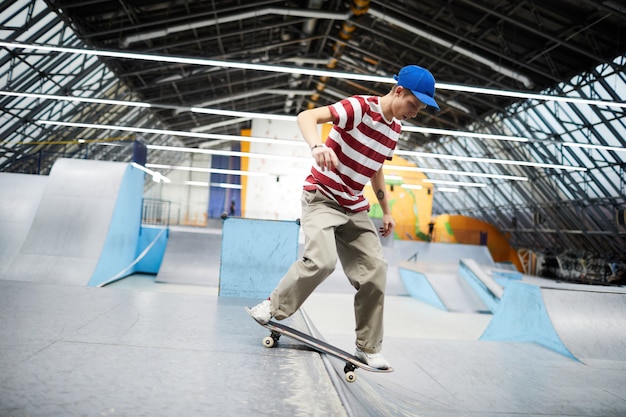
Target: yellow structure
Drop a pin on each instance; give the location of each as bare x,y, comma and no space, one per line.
411,208
462,229
412,212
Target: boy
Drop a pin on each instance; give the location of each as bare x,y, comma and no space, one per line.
334,210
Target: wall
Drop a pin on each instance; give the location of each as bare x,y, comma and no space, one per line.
461,229
188,202
277,195
411,209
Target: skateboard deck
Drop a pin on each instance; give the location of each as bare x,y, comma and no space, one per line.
352,362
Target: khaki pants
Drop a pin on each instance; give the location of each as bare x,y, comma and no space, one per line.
331,231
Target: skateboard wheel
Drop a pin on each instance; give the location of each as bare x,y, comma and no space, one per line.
268,342
350,376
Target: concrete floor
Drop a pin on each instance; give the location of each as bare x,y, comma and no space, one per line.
84,351
140,348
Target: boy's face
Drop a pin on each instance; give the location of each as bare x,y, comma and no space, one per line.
406,105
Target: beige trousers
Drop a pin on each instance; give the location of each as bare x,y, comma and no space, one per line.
331,231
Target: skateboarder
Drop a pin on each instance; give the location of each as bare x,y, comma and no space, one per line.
334,210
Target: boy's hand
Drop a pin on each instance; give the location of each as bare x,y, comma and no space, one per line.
388,225
325,157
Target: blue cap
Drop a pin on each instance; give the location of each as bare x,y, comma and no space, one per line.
421,83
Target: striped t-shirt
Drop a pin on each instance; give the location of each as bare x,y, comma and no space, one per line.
362,140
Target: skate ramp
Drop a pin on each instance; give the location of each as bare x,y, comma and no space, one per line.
19,199
405,250
442,286
587,325
86,227
192,257
435,273
483,283
591,324
398,251
255,255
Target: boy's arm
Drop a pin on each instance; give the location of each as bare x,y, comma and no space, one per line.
307,122
378,184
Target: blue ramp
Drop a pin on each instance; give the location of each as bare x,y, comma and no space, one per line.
86,225
521,316
19,198
255,255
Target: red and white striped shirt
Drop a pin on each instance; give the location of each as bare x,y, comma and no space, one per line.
362,139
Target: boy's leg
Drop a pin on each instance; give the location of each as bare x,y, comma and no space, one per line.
319,259
361,255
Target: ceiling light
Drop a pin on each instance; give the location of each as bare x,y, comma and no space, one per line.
210,170
463,134
589,146
448,190
197,183
459,183
303,71
412,186
243,114
180,133
225,153
77,99
226,185
488,160
528,96
450,172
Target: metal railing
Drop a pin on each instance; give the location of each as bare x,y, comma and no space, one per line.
156,212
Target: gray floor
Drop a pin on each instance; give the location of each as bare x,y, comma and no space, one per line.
78,351
192,257
141,348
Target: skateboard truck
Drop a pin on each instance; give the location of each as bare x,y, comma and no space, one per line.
271,340
348,370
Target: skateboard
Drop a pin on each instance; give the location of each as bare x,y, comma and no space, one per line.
352,362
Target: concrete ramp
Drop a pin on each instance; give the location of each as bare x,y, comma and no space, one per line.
577,323
483,283
19,199
592,324
398,251
442,286
255,255
408,250
86,226
192,257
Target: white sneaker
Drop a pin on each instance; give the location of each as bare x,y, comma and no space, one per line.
262,312
375,360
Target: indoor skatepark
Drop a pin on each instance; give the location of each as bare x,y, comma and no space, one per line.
145,346
129,127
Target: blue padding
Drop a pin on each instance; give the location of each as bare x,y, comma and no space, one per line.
490,300
255,255
121,242
503,277
418,287
151,261
140,153
522,317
